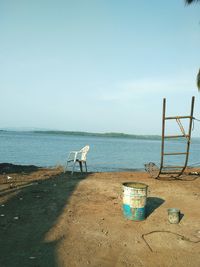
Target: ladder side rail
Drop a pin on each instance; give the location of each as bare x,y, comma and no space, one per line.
163,134
189,134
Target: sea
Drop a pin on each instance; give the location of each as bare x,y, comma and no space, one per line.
107,153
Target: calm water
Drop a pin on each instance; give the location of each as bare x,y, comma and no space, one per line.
106,153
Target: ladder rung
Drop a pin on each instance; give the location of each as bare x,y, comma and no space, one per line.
178,117
176,136
170,172
180,153
173,167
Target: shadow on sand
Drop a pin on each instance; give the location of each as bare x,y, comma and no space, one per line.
28,215
7,168
152,204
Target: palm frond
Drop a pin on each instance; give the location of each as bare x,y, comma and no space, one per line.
198,80
191,1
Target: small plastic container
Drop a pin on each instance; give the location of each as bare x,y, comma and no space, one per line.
174,215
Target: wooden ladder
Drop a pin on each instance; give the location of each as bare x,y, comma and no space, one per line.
175,171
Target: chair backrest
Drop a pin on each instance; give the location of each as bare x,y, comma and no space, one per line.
84,152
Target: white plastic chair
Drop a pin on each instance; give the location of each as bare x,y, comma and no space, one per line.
78,156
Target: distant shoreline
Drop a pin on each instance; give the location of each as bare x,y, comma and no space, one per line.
111,134
80,133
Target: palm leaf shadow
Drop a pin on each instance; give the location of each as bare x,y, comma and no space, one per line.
37,208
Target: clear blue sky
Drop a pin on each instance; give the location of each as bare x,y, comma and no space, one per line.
97,65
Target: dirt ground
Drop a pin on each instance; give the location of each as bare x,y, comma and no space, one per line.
52,219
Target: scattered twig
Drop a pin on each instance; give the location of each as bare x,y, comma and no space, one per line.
169,232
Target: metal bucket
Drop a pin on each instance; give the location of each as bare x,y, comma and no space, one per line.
134,200
174,215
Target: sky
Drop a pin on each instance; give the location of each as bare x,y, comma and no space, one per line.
97,65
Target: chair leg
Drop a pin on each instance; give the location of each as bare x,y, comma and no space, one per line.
73,168
81,167
65,168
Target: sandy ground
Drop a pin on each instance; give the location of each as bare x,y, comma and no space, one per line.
52,219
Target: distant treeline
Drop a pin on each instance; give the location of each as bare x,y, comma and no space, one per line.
113,135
